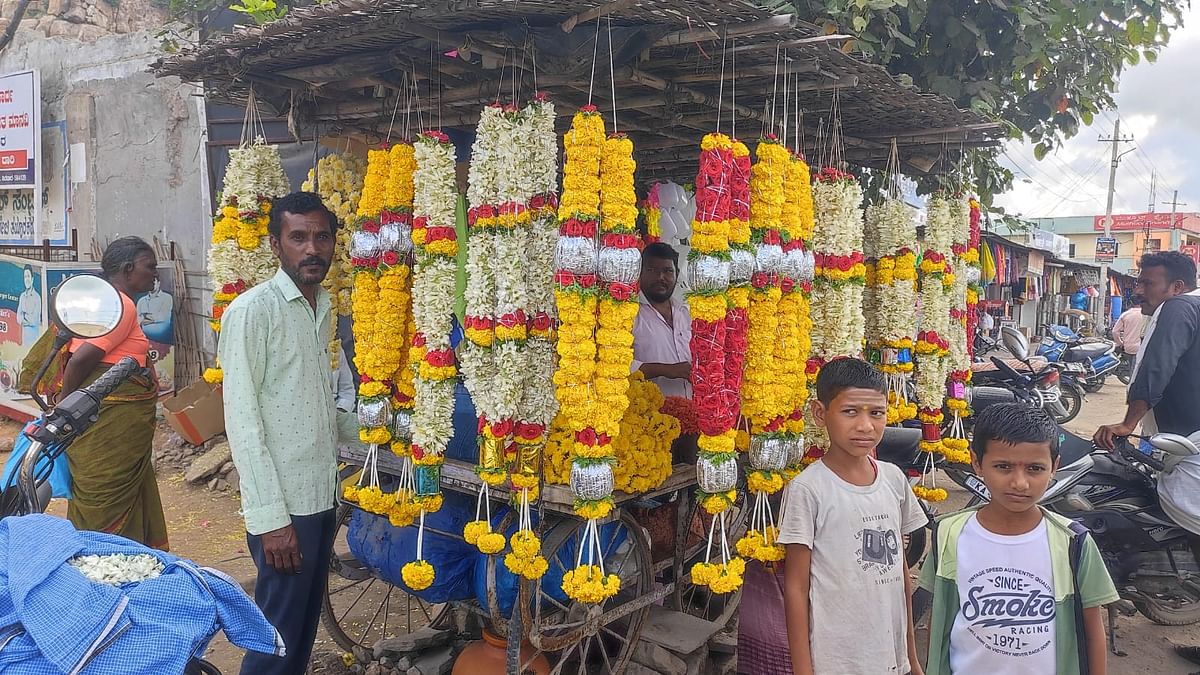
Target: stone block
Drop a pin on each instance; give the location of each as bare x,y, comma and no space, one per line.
436,662
697,662
418,640
679,632
724,642
658,658
90,33
208,464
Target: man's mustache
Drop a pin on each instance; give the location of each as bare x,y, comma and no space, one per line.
314,261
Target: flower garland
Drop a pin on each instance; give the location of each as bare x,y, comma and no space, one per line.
837,299
767,401
643,449
578,378
795,320
896,323
954,443
933,344
435,269
652,213
241,257
718,221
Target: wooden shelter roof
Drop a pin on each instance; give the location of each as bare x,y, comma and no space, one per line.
351,66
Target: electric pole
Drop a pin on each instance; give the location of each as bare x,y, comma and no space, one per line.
1175,204
1153,185
1116,141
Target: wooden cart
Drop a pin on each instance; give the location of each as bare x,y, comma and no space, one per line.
575,637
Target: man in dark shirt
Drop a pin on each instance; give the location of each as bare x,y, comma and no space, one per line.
1167,374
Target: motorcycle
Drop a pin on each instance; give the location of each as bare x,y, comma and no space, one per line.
984,344
1124,371
1098,356
84,306
1052,387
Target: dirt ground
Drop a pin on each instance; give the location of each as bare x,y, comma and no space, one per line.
205,526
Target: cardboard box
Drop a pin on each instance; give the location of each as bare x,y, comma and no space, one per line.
196,412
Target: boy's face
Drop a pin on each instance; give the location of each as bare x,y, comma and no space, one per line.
1017,474
855,420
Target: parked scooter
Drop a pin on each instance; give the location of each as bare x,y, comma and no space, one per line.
84,306
1124,371
1098,356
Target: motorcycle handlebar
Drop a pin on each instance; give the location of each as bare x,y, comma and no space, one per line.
1126,449
112,378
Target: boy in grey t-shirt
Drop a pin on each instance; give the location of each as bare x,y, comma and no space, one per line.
846,582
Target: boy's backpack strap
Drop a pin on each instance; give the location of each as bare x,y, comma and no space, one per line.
1079,537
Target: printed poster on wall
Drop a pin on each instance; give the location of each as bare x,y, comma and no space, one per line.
156,316
22,300
20,210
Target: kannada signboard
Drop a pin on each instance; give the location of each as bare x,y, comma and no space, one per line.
20,140
1106,249
1127,222
19,209
1191,250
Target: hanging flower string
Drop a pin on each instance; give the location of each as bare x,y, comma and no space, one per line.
795,323
895,278
933,344
241,257
954,443
837,316
652,213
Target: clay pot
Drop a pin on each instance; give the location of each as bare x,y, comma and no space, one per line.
489,657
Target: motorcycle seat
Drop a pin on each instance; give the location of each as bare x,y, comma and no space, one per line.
898,446
1037,362
1063,334
1072,448
1085,352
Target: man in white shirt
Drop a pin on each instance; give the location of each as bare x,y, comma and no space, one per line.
1127,331
662,331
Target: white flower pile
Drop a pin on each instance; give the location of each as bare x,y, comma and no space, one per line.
118,569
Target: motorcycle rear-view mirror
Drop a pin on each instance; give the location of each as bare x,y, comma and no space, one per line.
86,306
1174,444
1015,342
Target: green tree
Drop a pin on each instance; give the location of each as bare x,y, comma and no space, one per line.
1043,67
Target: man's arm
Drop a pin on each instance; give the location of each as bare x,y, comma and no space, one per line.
797,572
1173,335
677,371
914,660
1097,641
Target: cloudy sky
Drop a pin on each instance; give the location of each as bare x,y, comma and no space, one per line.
1158,105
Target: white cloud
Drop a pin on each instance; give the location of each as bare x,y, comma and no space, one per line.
1157,104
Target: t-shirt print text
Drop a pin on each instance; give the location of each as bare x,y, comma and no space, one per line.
879,545
1010,611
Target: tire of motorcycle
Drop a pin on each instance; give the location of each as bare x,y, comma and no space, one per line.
914,549
1169,616
1124,375
922,600
1095,387
1071,400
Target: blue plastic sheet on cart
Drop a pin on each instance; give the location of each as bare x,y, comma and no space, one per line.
612,535
385,549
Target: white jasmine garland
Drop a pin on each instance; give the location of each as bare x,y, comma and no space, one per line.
254,170
118,569
839,217
433,416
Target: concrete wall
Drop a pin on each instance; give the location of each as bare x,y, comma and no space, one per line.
143,139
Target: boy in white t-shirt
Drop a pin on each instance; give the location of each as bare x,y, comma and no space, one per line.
846,584
1017,590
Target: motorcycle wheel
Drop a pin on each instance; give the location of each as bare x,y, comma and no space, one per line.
1125,373
1165,615
914,548
1094,386
1071,401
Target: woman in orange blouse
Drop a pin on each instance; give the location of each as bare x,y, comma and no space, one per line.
113,487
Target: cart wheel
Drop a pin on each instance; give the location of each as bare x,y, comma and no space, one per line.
584,639
360,608
699,601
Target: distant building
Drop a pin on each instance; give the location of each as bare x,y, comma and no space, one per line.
1135,235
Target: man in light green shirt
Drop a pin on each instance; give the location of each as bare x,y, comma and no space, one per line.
283,426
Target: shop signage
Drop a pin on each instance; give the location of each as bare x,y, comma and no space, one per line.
1106,249
20,131
1141,221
